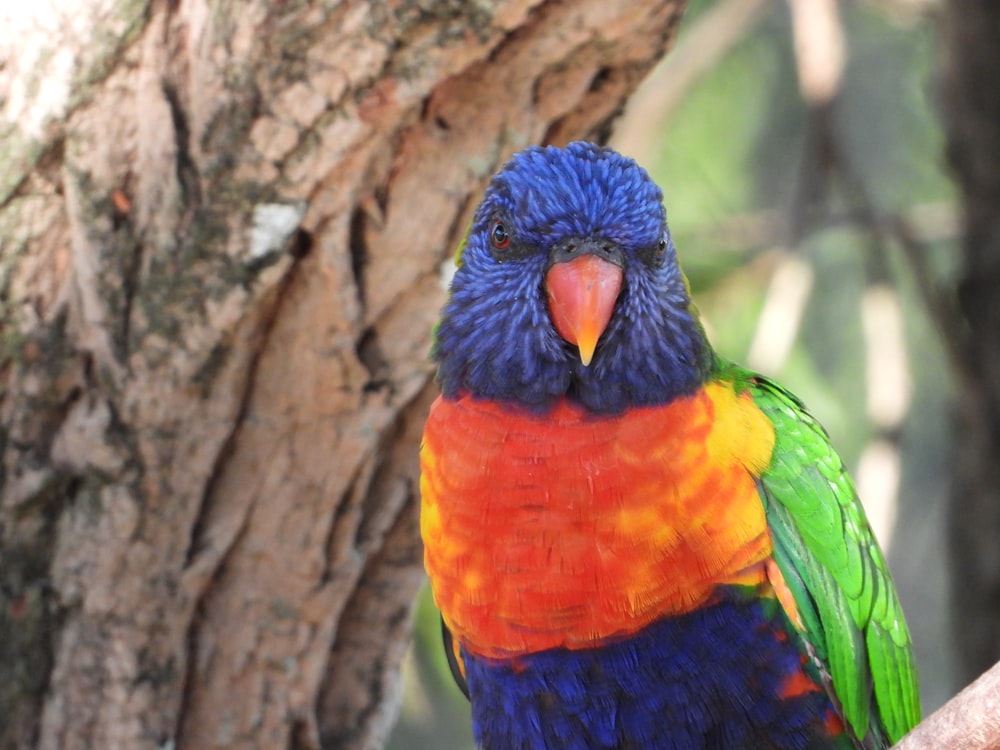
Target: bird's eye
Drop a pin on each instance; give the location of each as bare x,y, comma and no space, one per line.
658,252
499,236
653,255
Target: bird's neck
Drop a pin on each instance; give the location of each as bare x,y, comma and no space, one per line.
638,362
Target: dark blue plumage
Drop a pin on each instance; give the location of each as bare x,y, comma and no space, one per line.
637,693
516,355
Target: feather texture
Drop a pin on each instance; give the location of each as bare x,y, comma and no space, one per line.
650,547
650,511
823,540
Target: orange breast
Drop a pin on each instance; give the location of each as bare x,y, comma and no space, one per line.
564,529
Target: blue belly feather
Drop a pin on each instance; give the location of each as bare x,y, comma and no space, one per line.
711,678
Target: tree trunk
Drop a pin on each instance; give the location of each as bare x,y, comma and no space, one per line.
221,227
972,88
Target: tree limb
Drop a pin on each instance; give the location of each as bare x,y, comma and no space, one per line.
969,721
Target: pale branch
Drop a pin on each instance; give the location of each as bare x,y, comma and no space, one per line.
706,41
756,231
941,308
969,721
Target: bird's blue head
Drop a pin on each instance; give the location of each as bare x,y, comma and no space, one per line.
569,286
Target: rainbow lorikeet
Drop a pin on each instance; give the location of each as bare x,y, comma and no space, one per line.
633,542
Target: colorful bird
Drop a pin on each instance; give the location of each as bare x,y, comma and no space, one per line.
633,542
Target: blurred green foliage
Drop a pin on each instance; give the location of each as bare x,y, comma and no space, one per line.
736,147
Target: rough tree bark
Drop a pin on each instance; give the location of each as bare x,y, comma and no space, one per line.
972,91
221,226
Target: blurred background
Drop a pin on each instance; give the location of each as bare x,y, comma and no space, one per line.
800,151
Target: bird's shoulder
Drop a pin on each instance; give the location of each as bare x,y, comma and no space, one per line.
833,566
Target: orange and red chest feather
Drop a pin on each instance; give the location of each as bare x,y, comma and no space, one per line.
566,528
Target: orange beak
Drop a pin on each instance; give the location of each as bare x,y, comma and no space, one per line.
582,295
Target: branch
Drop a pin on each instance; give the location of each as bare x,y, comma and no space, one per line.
704,43
941,308
969,721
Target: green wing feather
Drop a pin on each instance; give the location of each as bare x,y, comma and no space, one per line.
834,568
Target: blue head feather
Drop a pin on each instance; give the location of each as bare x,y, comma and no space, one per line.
496,339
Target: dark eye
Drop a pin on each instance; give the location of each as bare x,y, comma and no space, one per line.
659,251
499,237
653,255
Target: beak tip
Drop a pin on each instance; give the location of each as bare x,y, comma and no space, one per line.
582,294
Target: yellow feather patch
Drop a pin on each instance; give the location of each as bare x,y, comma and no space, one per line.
784,594
741,431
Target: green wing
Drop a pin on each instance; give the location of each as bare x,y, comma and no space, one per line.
835,569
